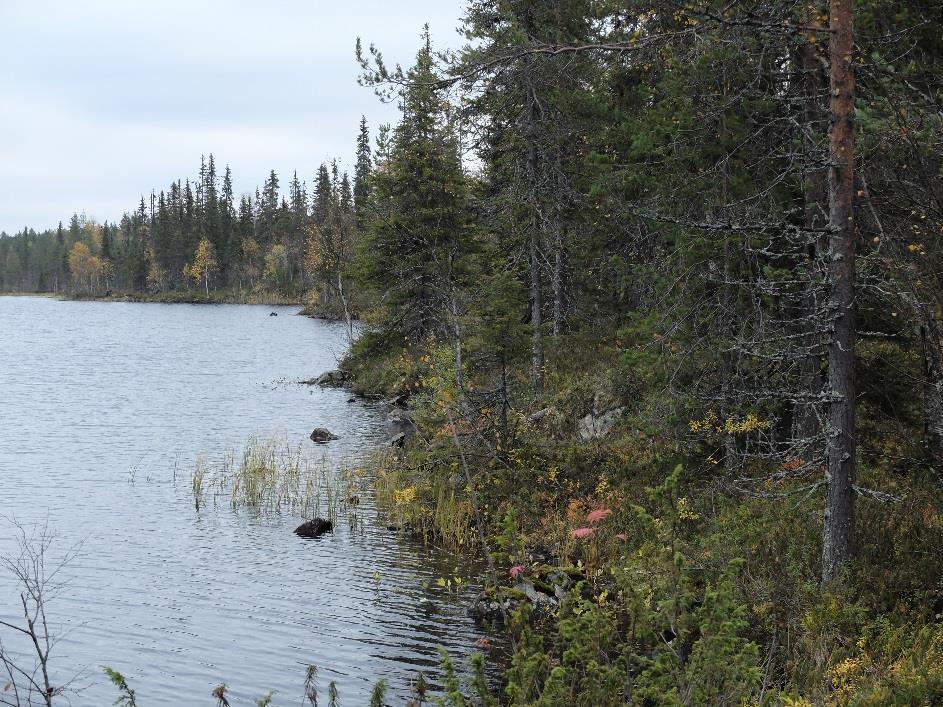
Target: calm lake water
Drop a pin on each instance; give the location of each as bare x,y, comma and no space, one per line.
104,408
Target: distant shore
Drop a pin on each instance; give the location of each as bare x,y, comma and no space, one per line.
309,308
171,297
192,297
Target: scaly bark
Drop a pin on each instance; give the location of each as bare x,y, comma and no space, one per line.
838,538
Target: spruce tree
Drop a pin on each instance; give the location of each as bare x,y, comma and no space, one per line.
229,240
362,170
413,254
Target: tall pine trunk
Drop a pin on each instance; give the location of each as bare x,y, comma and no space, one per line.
838,538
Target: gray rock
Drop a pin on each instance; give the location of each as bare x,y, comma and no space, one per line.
398,440
536,417
400,421
561,583
598,425
538,599
493,611
336,377
322,435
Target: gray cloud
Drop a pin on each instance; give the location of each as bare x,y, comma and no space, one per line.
103,101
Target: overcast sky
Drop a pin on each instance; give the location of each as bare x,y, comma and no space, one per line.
101,101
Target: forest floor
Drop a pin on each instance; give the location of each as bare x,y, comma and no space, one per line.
627,563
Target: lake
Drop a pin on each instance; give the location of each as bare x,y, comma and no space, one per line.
104,410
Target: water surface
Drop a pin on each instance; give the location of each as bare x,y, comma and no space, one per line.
104,408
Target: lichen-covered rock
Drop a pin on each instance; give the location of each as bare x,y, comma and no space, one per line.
493,604
597,425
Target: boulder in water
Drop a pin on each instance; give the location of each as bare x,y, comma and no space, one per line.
314,528
336,377
322,435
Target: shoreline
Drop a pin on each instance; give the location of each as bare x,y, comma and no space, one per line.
190,297
193,297
171,297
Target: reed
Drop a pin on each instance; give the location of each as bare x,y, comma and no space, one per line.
272,476
199,472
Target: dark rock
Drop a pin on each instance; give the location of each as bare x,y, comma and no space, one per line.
273,314
399,401
314,528
351,400
322,435
398,440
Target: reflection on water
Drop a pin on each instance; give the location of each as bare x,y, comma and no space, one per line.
104,408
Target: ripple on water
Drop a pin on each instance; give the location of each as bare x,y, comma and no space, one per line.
97,394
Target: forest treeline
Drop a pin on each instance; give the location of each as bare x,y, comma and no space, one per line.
662,284
200,235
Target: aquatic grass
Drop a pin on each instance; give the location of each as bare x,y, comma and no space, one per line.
378,695
199,472
271,476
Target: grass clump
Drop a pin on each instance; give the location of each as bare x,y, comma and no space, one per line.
435,506
271,476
